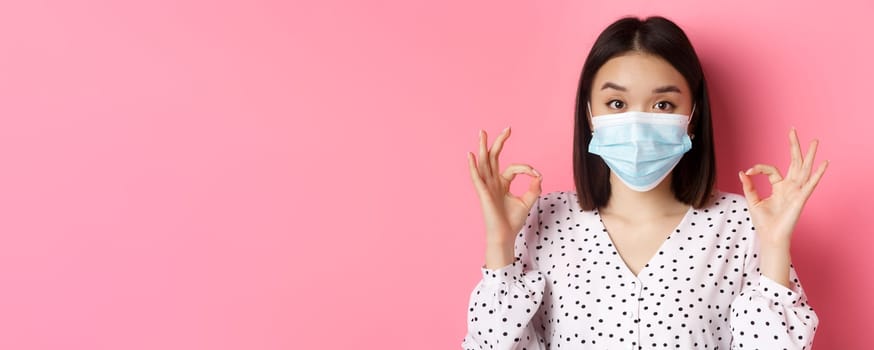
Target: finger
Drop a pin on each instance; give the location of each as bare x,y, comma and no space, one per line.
749,188
814,180
483,165
795,152
514,169
534,191
771,171
495,151
474,175
808,161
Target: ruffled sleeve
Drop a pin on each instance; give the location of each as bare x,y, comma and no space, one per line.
767,314
503,305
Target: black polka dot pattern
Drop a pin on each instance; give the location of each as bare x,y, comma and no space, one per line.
569,288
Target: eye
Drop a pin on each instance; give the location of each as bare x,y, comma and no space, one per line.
615,104
664,106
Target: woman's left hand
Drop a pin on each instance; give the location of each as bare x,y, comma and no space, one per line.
774,217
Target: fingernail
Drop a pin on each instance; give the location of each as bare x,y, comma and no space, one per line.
748,171
535,172
505,129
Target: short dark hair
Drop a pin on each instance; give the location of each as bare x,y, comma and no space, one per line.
694,176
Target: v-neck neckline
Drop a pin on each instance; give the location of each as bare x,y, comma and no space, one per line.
661,250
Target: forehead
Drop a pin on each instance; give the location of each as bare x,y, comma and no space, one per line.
638,72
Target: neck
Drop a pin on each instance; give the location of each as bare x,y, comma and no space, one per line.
656,203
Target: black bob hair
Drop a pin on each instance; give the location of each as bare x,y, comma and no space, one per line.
693,179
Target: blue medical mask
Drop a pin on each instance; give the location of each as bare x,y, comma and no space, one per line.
641,148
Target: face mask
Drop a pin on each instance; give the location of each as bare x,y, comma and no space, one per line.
641,148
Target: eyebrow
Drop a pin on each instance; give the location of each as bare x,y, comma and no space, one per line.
667,88
613,86
659,90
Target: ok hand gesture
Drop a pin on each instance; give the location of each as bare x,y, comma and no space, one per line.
504,213
775,217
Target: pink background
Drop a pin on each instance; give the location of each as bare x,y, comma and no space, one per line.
266,175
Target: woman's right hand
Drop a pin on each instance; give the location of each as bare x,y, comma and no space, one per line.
504,213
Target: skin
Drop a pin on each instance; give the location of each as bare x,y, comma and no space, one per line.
639,222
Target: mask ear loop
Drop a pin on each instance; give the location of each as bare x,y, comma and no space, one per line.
589,111
692,136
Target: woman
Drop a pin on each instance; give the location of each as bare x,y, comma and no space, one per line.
645,253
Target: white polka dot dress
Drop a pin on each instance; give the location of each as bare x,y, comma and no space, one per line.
570,289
